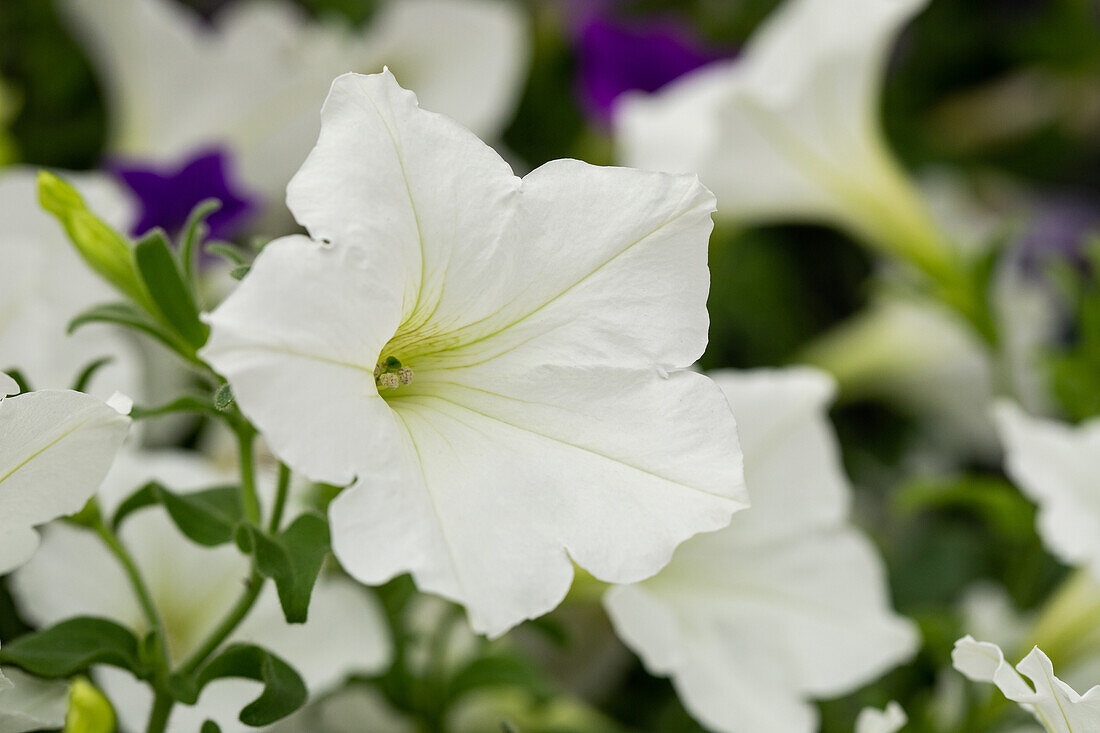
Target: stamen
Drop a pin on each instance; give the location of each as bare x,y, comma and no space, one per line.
390,374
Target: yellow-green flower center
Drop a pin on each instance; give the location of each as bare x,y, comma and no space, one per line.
390,373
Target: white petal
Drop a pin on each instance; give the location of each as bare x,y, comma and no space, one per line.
44,284
8,386
1053,703
890,720
254,79
30,704
56,448
544,319
1055,464
465,58
500,488
789,128
785,604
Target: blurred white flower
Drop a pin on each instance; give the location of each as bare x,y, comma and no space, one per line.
44,283
250,82
193,587
790,601
30,704
545,325
921,356
55,448
890,720
1057,466
1053,703
790,129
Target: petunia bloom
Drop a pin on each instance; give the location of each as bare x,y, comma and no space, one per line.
500,362
44,284
889,720
1053,703
786,604
169,194
615,57
193,587
790,129
55,448
249,83
1056,464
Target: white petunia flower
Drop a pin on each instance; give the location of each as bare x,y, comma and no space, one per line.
251,81
44,283
545,324
790,129
1057,466
55,448
31,704
890,720
193,587
1053,703
786,604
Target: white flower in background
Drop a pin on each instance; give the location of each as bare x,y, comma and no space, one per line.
789,602
920,356
890,720
1057,465
1053,703
55,448
31,704
44,283
790,129
193,587
250,82
545,324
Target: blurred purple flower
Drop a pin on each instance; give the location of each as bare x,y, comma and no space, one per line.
1058,230
167,194
616,56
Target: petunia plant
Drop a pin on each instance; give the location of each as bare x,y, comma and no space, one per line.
488,376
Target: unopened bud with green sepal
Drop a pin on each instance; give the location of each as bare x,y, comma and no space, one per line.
106,251
89,710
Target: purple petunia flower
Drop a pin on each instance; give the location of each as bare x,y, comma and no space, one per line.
167,194
1058,230
616,56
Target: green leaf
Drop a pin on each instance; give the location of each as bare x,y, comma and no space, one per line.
104,249
991,498
293,558
166,287
86,374
124,314
182,404
20,379
208,517
239,272
223,398
74,645
227,252
500,670
210,727
284,692
194,233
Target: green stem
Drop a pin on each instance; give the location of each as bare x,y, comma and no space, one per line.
141,590
253,586
249,500
282,488
158,718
